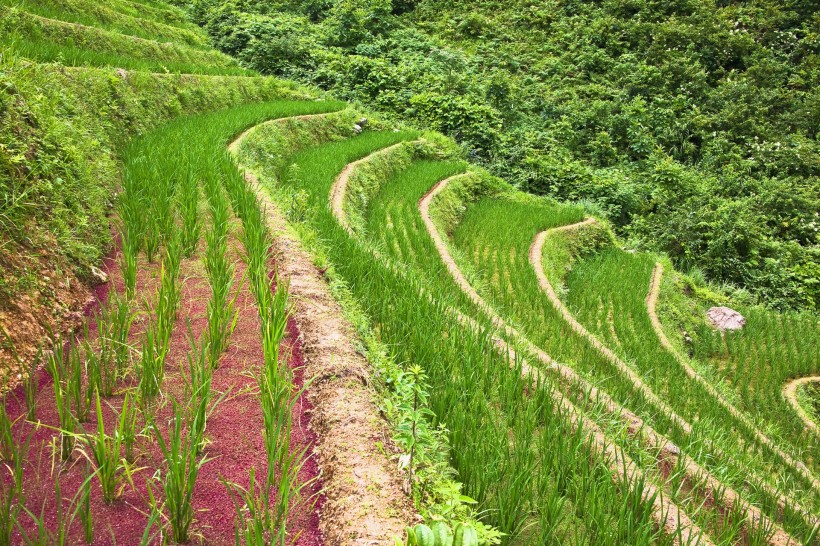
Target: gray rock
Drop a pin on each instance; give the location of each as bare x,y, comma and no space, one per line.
357,128
99,274
724,318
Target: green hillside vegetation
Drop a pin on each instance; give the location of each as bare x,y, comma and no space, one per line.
691,124
499,210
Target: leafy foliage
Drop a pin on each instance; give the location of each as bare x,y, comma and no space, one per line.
654,110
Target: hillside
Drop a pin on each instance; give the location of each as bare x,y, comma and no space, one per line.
692,125
471,301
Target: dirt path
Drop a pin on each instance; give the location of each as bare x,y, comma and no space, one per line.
790,394
651,303
339,187
365,504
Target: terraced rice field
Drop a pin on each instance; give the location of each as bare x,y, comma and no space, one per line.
214,391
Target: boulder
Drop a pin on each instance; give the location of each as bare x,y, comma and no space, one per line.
724,318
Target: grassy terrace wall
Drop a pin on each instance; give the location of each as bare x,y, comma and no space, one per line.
112,16
60,133
49,40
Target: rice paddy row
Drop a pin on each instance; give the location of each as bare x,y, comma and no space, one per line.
51,40
394,238
394,315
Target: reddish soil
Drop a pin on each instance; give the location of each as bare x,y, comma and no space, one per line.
233,430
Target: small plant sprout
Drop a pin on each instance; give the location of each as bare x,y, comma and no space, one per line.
112,470
183,465
67,422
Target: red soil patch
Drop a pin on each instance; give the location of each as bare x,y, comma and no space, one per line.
234,430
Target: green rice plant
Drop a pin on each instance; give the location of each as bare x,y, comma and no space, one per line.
11,490
111,469
473,389
9,510
168,295
114,327
101,370
48,40
81,380
277,396
188,205
497,257
56,366
128,427
198,390
86,517
31,385
109,17
249,520
221,316
151,370
180,453
128,266
6,435
53,528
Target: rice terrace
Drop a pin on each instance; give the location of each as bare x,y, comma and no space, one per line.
410,272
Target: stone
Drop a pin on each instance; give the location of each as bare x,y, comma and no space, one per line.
99,274
724,318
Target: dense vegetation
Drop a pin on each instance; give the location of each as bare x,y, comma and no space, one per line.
691,124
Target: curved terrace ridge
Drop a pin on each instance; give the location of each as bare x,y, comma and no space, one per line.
790,394
536,252
665,512
651,304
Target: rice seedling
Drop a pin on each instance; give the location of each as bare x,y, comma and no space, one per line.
221,316
6,436
100,367
128,427
53,527
9,510
56,366
183,466
86,517
151,371
110,17
31,385
168,295
114,328
128,266
249,520
188,205
81,381
48,40
198,389
499,257
111,469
